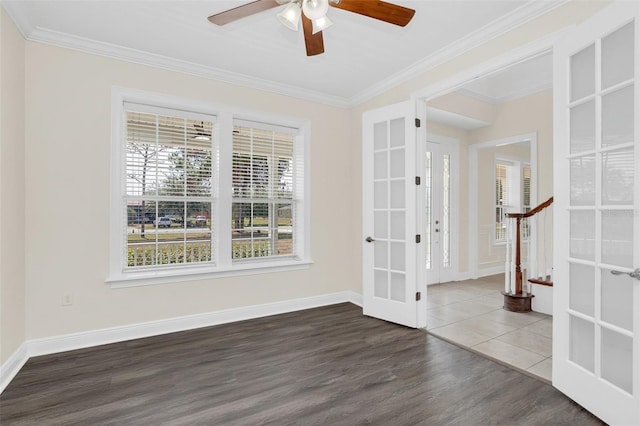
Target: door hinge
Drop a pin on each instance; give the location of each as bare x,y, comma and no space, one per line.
417,238
418,296
417,180
417,122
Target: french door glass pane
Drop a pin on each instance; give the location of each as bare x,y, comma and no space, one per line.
397,225
583,73
380,165
380,195
397,256
397,194
617,237
380,224
618,173
582,234
397,163
380,136
396,132
617,299
617,359
617,56
398,287
581,343
617,117
582,180
582,288
381,255
381,284
582,136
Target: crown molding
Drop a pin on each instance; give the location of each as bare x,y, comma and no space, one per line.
526,13
527,91
109,50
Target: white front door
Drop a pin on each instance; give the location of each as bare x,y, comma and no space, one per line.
438,188
389,214
596,315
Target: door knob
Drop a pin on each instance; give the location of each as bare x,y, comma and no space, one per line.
635,274
437,230
369,240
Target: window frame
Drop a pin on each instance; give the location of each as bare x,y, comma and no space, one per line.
515,187
223,266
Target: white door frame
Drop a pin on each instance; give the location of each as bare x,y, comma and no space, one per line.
455,194
494,65
473,196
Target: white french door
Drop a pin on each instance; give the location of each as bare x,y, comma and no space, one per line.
439,161
596,334
389,214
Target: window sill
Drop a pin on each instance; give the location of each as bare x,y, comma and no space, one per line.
165,276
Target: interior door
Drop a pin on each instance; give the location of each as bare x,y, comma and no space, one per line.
596,333
438,223
389,214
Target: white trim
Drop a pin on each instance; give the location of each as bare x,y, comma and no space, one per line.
113,51
485,272
520,16
526,13
174,275
528,51
87,339
12,365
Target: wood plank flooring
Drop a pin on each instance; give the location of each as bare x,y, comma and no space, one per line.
324,366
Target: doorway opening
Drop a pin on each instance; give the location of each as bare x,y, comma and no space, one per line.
502,125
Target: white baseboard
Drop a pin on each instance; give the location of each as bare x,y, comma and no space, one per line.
86,339
485,272
12,366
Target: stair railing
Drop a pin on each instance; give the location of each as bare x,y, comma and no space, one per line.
524,227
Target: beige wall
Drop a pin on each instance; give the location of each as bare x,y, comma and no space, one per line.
67,185
532,114
12,244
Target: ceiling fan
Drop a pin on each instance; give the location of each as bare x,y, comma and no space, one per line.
313,15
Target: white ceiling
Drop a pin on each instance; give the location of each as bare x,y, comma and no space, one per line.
517,81
362,58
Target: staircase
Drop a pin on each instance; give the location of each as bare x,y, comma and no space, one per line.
523,282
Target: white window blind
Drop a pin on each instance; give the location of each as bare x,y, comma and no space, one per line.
169,181
502,201
264,203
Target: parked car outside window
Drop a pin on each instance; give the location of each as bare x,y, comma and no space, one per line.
162,222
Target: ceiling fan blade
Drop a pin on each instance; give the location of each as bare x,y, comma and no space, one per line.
313,42
242,11
387,12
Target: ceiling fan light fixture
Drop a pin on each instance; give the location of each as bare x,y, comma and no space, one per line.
290,16
321,24
315,9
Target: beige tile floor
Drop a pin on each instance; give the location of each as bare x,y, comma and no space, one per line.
469,314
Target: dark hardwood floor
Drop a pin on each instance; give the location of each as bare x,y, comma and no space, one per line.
325,366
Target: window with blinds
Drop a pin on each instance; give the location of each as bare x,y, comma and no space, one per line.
263,203
168,197
502,200
198,192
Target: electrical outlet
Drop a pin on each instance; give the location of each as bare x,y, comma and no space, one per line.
67,299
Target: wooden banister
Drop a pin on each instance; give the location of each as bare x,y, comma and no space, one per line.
518,217
516,299
534,211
